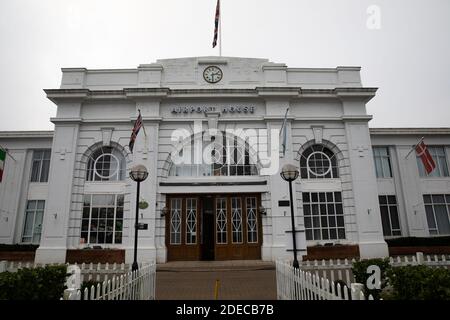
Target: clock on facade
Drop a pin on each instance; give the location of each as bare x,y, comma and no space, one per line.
212,74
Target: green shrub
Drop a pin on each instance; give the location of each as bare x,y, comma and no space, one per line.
359,270
17,247
418,242
418,283
43,283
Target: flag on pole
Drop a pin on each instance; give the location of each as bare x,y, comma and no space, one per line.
2,162
425,156
284,132
216,24
134,133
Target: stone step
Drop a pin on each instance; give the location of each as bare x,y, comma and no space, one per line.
205,266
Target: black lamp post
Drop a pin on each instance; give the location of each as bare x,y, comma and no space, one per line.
138,173
289,173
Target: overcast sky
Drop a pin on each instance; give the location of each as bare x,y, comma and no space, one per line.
406,53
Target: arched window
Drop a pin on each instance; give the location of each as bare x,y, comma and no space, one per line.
224,155
318,162
106,164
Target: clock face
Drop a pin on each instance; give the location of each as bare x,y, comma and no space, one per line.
212,74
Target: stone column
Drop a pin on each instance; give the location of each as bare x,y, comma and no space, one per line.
57,209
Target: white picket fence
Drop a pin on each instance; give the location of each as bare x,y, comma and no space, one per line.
317,279
435,261
117,282
341,269
133,285
332,269
297,284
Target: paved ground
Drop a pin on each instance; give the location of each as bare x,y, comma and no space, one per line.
239,280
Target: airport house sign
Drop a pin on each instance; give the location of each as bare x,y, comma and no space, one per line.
205,109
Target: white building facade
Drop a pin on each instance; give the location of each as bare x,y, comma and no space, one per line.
213,145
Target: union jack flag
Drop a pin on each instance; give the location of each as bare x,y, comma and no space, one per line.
216,23
134,133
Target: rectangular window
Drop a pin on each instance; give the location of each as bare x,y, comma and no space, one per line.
441,170
175,221
41,165
191,221
323,215
437,209
236,220
252,221
32,227
382,160
389,215
221,220
102,220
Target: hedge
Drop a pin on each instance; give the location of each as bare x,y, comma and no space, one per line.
42,283
417,241
418,283
18,247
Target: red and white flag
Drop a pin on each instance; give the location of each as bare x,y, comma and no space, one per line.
425,156
216,24
134,133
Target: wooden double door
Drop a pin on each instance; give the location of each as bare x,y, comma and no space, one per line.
213,227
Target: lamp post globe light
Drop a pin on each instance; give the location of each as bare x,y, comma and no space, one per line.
289,173
138,173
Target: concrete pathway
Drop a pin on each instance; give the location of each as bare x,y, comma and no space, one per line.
195,280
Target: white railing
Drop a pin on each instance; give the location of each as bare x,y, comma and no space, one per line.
331,269
297,284
421,259
136,285
341,269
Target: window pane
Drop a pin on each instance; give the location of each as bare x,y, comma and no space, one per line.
40,205
378,167
306,209
333,234
427,199
28,227
340,221
442,219
45,171
392,200
308,223
35,171
31,204
329,197
438,198
430,217
385,221
394,217
337,197
305,197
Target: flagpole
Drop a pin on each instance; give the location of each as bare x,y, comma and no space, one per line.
9,154
414,147
143,127
220,31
